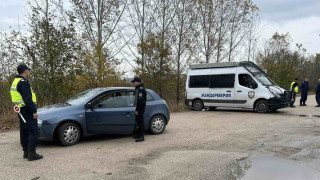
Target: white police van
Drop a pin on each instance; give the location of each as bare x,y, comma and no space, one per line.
233,85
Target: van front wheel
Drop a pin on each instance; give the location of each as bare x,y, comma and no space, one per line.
197,105
262,106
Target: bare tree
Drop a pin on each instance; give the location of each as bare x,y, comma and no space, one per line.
207,11
183,36
252,32
238,21
140,19
100,21
162,22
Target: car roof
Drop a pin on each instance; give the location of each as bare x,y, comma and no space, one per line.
114,88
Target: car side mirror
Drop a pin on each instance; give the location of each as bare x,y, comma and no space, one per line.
89,105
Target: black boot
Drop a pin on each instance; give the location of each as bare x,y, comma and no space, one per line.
25,154
32,155
135,136
139,139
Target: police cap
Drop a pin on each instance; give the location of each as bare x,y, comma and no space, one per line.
136,79
22,67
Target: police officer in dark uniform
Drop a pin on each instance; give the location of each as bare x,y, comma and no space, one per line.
140,102
304,91
23,96
318,93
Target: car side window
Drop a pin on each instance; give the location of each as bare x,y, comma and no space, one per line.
114,100
149,97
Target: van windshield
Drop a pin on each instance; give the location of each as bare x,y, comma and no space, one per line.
263,79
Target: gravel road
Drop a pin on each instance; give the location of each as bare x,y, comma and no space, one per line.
195,145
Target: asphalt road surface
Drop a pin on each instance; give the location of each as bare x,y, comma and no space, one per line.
195,145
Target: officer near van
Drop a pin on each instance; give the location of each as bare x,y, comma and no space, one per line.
294,87
140,102
304,87
23,96
318,94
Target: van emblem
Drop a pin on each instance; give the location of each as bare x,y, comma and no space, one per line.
251,94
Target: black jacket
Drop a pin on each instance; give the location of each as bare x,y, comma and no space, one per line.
318,88
23,87
140,98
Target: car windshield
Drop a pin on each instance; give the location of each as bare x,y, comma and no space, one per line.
263,79
83,97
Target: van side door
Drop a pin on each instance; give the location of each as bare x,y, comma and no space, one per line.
221,90
246,89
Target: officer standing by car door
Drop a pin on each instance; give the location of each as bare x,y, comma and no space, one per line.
23,96
140,102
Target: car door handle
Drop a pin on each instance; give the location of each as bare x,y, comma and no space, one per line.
239,91
228,91
129,113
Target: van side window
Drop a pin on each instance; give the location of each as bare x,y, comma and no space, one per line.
201,81
247,81
222,81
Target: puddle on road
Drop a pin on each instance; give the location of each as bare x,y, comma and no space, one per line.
309,115
268,167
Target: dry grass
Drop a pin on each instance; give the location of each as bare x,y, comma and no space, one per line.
8,120
176,107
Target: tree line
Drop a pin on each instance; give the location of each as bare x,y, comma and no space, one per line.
74,45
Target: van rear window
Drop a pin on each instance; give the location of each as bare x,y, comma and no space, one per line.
222,81
201,81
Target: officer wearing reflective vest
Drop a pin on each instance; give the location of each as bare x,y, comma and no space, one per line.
294,88
140,102
23,96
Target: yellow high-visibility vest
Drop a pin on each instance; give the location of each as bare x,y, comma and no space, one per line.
296,89
16,96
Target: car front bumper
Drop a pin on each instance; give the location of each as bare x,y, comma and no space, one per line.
46,132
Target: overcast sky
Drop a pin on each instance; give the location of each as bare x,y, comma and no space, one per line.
301,18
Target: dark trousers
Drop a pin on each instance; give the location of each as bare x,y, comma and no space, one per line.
318,98
304,96
29,132
294,98
140,122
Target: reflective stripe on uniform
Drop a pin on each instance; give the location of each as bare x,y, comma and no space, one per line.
296,89
16,96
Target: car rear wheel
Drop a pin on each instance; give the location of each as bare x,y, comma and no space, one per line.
69,134
262,106
157,124
197,105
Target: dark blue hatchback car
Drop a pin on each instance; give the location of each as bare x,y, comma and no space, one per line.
100,111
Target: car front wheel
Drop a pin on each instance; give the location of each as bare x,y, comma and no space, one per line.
157,124
69,134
